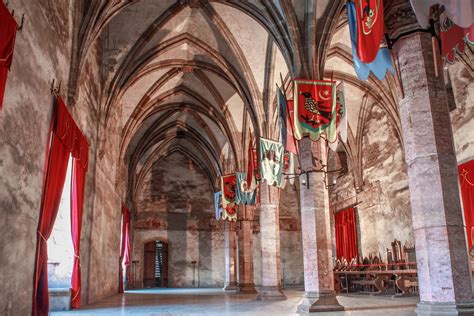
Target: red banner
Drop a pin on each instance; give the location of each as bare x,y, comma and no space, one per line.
370,28
8,28
315,109
454,38
291,142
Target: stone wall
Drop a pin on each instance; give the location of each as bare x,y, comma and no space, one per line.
176,205
462,116
43,53
382,203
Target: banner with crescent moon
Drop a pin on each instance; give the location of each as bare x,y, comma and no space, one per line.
271,162
218,204
315,109
244,194
229,206
341,117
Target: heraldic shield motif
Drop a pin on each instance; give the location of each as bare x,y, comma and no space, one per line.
271,162
315,109
228,188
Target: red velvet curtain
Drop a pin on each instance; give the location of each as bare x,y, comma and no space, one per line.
466,180
65,139
8,28
77,201
125,248
346,235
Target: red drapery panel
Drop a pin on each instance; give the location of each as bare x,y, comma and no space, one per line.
65,139
466,180
77,201
346,234
125,248
8,28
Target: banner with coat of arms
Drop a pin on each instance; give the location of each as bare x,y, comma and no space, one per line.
341,117
229,207
244,193
315,109
271,162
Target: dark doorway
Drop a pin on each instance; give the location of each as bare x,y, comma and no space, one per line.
155,269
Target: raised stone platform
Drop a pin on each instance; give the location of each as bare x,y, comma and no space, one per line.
59,299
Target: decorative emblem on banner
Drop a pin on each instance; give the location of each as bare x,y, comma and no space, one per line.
315,109
341,117
218,204
244,193
271,161
228,190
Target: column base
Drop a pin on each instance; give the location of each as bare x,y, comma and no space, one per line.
445,309
247,288
271,293
319,302
231,287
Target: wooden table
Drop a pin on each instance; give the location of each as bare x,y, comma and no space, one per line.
404,279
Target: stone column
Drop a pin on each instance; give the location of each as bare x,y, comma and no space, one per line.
444,272
246,282
270,241
230,240
316,230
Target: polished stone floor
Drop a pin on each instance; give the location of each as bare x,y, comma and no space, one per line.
217,302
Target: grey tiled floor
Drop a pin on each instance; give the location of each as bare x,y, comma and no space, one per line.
217,302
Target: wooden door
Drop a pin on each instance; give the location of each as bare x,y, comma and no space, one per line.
149,264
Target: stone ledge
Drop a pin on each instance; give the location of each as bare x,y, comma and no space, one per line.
445,309
59,299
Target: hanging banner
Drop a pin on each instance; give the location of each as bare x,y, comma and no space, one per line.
315,109
253,174
291,142
382,62
271,162
454,38
229,206
8,28
369,14
282,117
244,194
341,117
218,204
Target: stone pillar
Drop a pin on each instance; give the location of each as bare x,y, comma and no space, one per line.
316,230
444,272
246,282
270,241
230,240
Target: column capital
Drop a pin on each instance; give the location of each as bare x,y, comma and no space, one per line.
399,18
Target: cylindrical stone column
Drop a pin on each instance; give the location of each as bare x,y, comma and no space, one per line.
230,240
444,272
246,281
316,231
270,243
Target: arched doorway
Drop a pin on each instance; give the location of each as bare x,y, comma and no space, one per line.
155,264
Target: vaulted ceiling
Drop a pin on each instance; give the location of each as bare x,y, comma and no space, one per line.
198,77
